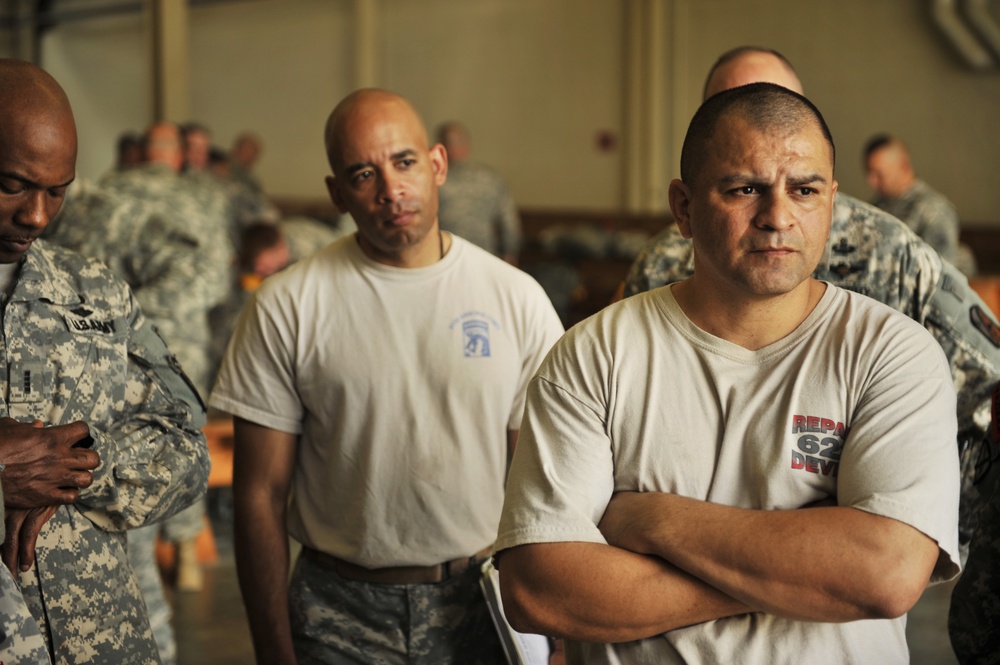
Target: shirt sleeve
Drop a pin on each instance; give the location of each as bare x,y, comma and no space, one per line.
900,459
257,379
154,458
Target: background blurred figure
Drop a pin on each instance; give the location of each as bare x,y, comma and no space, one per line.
128,151
475,203
266,248
900,193
245,152
193,218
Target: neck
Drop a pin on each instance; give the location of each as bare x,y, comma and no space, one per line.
751,322
431,249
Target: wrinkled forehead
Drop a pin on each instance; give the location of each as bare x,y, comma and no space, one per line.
740,142
376,128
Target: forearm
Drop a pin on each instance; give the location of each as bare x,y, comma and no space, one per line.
262,564
151,468
820,564
597,593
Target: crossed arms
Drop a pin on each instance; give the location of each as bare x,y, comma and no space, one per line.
673,561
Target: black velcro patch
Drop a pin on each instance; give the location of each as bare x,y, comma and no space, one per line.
984,324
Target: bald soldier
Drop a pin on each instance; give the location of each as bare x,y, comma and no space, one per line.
872,253
899,192
101,433
750,465
380,382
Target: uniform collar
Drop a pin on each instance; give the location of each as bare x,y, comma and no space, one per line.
41,279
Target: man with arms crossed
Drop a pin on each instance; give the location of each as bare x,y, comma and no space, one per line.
872,253
381,381
750,464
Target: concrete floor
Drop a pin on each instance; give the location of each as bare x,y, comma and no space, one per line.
211,625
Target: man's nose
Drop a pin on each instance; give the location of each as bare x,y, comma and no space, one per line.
776,211
34,211
390,187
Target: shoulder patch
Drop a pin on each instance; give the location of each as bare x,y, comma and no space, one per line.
985,324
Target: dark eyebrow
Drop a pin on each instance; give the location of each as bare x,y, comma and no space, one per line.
409,152
743,179
354,168
754,181
810,179
30,183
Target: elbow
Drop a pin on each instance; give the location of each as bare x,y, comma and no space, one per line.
520,607
895,597
898,585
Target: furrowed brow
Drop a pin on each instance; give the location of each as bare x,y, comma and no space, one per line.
810,179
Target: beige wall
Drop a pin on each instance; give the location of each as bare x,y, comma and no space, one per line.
873,65
104,67
537,80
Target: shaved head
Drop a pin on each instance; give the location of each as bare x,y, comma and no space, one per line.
750,64
37,154
356,108
766,107
890,171
164,145
31,97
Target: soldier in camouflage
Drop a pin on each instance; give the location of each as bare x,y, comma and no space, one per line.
97,405
872,253
198,217
156,261
169,233
475,203
20,639
901,194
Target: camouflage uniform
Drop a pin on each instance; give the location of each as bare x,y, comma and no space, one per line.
157,261
475,204
974,617
871,253
342,619
77,347
247,205
305,235
20,639
930,215
197,217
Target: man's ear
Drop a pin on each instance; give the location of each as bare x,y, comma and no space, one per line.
679,196
332,186
439,163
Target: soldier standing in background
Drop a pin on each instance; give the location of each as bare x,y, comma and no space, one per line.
475,203
907,198
196,275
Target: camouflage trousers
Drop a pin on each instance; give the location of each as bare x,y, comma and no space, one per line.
342,621
20,639
142,558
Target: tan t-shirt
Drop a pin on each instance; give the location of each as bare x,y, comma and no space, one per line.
402,385
856,404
